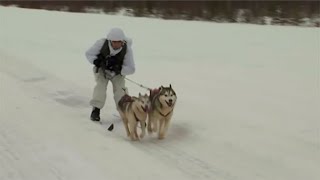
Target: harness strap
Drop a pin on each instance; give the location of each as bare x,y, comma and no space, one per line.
135,116
163,114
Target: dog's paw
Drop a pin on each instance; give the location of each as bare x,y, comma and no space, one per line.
133,138
161,137
154,130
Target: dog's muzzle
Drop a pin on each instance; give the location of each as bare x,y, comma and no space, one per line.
170,103
145,109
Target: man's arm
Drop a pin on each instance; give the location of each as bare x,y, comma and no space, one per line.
128,66
94,50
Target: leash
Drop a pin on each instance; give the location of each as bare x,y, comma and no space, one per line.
140,85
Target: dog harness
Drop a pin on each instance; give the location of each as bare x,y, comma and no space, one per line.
163,114
153,93
135,116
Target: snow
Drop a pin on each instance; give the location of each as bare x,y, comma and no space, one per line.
248,100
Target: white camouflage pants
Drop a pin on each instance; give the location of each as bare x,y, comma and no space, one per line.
100,90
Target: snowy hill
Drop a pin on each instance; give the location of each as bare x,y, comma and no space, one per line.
248,100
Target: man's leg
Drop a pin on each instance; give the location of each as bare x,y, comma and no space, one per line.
100,90
118,83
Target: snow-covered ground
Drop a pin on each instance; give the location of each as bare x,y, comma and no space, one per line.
248,100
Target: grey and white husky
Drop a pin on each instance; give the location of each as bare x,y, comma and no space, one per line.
162,103
132,111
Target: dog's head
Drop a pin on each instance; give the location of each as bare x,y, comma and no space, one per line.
167,96
142,102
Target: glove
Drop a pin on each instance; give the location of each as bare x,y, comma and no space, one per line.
113,66
97,62
110,74
117,71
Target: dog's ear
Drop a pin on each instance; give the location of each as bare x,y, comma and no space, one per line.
170,86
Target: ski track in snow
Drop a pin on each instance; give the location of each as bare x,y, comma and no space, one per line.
167,152
10,138
248,110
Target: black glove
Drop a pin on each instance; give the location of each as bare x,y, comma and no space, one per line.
117,71
112,65
97,62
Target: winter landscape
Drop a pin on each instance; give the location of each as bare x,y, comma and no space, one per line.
248,100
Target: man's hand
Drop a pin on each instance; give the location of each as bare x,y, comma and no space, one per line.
117,71
97,62
113,66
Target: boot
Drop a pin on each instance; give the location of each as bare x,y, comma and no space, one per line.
95,114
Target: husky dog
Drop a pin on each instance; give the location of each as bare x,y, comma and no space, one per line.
133,110
162,102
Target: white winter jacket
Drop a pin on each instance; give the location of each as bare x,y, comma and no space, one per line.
128,66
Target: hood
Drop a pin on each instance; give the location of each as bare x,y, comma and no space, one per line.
129,41
116,34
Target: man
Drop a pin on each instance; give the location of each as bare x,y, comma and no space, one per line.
113,60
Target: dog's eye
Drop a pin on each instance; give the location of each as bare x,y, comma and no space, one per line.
166,95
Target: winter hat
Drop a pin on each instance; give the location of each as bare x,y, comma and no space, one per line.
116,34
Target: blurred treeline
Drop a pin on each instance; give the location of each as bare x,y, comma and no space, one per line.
304,13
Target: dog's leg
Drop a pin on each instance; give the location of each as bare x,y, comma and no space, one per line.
143,128
161,128
136,132
165,128
125,123
150,122
155,125
132,127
